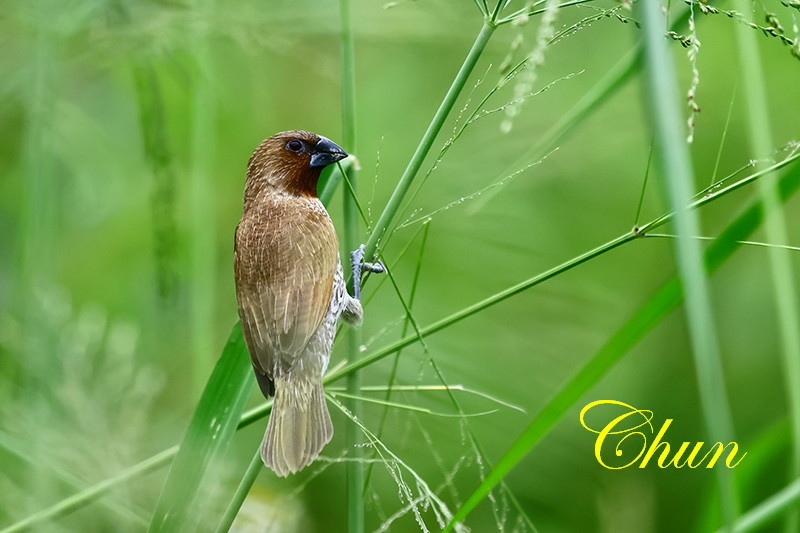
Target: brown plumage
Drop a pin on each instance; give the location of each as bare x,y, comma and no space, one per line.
291,291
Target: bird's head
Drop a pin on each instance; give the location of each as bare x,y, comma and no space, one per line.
291,162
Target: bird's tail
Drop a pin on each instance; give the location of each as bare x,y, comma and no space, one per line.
298,428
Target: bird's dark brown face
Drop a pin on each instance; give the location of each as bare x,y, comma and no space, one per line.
291,162
319,152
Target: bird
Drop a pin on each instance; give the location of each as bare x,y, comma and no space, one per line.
291,291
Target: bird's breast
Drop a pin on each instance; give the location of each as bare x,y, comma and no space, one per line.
283,237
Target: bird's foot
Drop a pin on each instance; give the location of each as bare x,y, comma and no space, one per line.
359,266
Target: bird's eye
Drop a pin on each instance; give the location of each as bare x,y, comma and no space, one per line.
295,145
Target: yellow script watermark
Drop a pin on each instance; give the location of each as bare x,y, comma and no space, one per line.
622,436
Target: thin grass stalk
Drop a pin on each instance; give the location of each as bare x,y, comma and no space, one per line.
202,243
355,468
331,179
249,477
677,182
533,12
38,234
396,361
401,189
784,289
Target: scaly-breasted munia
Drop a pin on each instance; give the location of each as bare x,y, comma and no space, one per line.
291,292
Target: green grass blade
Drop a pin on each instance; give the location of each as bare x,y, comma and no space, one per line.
210,432
202,238
331,179
351,211
404,406
677,182
412,295
764,450
644,184
647,317
784,287
664,300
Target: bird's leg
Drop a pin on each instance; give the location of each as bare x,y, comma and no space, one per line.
358,265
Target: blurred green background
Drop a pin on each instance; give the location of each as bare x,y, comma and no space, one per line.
126,128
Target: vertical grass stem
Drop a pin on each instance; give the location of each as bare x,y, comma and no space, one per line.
393,205
677,182
355,468
784,289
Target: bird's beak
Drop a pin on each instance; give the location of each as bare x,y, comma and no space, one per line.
326,152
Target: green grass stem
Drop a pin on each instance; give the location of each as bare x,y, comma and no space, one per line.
351,241
396,361
784,287
38,235
401,189
677,183
644,184
202,240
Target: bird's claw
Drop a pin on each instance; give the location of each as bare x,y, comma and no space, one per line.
375,268
356,259
358,266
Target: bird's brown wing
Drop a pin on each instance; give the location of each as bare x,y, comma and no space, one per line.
286,259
